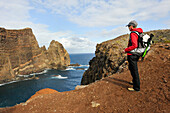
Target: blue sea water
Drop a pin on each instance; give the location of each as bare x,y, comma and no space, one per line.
19,91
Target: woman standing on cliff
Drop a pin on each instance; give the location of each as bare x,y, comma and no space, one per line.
133,59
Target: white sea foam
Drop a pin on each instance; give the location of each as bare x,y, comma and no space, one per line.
59,77
8,83
84,66
79,66
45,71
70,68
23,75
13,82
76,67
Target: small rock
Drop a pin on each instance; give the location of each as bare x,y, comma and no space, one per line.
95,104
80,87
165,81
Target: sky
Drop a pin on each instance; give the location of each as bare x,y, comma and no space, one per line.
81,24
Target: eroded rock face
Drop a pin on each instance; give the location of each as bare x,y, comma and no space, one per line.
17,49
108,59
20,54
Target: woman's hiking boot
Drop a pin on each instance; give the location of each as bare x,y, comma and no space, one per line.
131,89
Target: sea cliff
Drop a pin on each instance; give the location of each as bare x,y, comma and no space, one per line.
20,54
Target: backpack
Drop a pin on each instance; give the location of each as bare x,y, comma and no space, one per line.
144,43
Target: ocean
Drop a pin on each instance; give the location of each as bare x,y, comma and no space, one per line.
66,80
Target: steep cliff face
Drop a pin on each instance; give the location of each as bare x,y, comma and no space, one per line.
21,54
109,58
17,49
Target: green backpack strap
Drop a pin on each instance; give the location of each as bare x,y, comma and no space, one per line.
140,39
135,32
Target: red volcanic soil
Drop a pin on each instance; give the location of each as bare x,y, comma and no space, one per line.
110,95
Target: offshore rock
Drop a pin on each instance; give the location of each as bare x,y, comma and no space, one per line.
74,64
20,54
109,58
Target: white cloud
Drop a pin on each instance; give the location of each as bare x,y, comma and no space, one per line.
114,32
17,10
78,45
45,37
107,34
153,10
108,13
82,43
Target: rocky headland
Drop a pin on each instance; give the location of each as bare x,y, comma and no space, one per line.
20,54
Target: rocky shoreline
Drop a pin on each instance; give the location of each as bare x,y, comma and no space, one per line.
31,76
19,78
